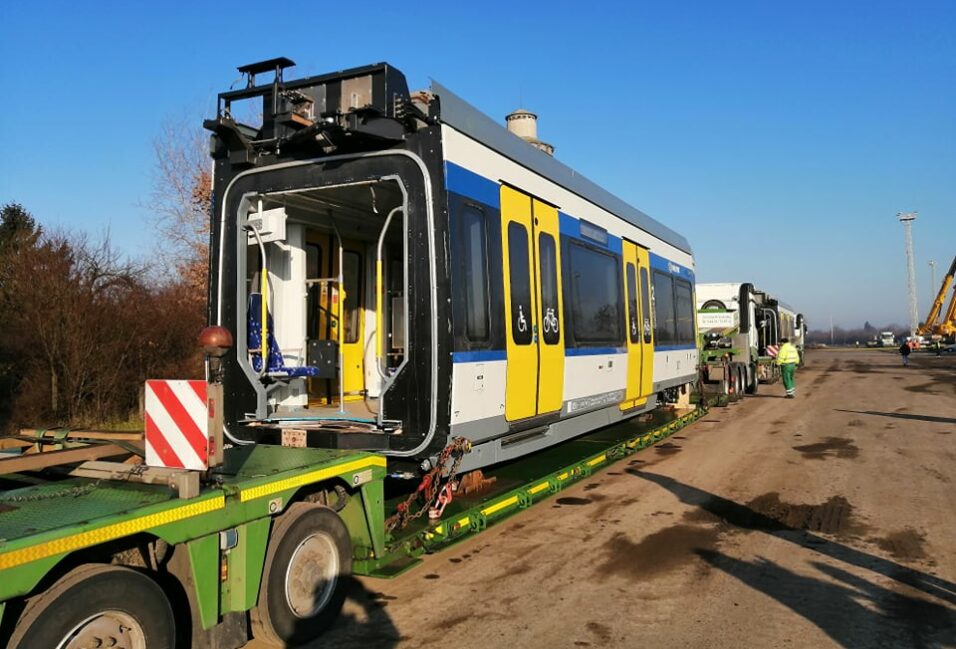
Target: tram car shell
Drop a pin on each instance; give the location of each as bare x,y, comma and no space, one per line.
399,269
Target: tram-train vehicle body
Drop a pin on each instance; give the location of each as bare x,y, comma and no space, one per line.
399,270
750,322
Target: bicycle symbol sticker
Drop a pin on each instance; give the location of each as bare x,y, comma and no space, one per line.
550,322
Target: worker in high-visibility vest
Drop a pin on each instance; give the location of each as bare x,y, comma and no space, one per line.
787,358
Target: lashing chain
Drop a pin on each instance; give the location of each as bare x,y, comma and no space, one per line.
433,484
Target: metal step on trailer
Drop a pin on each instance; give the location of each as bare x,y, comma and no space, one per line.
520,484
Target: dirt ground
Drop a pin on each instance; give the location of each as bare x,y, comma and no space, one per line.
824,521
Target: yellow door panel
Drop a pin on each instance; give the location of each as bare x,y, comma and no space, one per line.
632,313
323,316
353,316
521,382
550,329
647,327
640,331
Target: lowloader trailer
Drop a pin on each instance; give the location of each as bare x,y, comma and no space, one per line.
109,553
420,323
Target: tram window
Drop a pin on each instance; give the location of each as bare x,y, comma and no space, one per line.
352,279
595,296
646,306
664,324
313,270
395,310
520,277
474,267
633,317
253,269
549,289
685,312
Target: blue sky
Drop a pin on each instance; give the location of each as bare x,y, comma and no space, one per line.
780,138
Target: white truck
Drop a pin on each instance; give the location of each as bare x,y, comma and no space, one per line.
740,329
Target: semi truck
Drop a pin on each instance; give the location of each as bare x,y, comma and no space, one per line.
739,329
407,342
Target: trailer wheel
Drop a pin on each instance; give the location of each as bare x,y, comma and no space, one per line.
97,606
733,373
753,382
306,573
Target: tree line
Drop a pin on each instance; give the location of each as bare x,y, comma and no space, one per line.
83,326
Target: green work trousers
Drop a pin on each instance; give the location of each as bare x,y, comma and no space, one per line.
787,370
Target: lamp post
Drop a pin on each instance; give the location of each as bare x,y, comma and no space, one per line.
907,218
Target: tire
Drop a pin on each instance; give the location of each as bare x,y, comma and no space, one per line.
754,382
734,371
97,603
742,380
311,544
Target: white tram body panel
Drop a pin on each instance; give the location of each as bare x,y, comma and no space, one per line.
593,378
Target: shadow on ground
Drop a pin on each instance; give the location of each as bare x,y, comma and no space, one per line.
894,613
902,415
364,622
853,613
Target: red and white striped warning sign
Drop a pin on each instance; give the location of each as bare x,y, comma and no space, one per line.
177,424
772,350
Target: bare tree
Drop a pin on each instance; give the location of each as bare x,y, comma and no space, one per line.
74,324
181,200
88,328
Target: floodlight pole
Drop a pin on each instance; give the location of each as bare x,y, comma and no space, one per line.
907,218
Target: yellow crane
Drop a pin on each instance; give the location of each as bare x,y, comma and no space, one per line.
947,326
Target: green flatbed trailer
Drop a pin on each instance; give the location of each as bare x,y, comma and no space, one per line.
88,560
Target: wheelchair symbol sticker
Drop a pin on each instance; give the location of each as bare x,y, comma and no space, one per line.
522,323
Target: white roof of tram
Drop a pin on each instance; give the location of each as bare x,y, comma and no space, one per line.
462,116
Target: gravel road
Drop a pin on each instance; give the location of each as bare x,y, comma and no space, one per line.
824,521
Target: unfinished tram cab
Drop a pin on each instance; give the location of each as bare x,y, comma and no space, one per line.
398,269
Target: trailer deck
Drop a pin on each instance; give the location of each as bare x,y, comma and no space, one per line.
42,522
